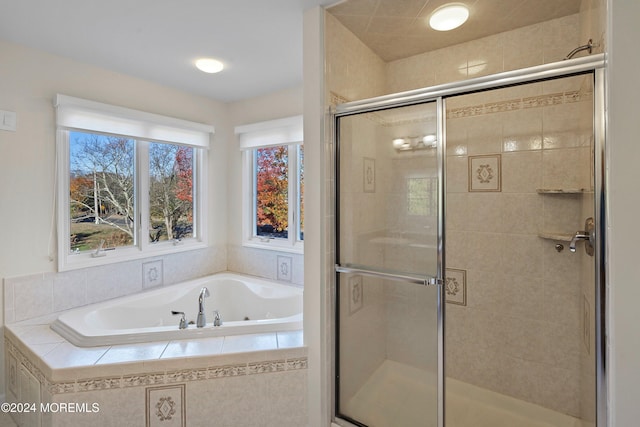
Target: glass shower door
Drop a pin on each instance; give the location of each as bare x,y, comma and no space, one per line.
389,331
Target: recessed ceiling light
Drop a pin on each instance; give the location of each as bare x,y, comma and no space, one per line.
449,16
209,65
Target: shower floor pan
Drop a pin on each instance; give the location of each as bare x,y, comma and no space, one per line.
398,395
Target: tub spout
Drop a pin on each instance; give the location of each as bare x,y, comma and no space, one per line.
202,319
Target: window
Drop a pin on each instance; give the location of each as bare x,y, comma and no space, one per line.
131,184
422,196
273,188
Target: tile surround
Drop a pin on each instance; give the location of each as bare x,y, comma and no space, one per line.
175,374
523,125
520,319
42,294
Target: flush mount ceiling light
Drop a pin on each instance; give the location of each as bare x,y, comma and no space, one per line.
209,65
449,16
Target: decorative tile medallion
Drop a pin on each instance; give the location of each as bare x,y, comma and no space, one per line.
13,376
369,175
485,173
455,286
165,406
152,274
284,268
356,294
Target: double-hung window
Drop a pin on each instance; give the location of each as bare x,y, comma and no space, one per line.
131,184
273,184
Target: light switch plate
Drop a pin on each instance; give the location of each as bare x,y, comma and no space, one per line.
8,120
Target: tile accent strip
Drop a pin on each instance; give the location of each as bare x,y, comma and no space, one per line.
155,378
489,108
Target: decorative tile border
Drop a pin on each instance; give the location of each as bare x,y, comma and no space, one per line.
143,379
482,109
520,104
456,286
153,378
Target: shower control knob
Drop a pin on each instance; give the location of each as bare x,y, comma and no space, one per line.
588,235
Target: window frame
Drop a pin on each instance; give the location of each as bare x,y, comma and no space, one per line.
287,131
142,247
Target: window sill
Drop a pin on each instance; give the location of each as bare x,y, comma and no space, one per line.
86,260
275,246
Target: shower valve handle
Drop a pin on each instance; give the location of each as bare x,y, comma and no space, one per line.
588,236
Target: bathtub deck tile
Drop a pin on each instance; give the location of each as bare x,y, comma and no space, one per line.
41,350
67,355
191,348
41,334
63,364
249,342
133,352
289,339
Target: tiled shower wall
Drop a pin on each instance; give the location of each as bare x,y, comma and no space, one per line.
540,276
520,333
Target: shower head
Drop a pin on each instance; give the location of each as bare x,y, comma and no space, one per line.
589,46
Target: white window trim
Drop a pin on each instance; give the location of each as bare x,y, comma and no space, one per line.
287,131
83,115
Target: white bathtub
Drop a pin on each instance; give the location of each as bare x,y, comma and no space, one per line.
145,317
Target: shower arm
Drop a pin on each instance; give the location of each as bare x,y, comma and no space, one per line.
589,46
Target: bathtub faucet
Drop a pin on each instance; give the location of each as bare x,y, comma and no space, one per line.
202,320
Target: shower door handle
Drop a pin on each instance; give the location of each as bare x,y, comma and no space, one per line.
418,280
588,235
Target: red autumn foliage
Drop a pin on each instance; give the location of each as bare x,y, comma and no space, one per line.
272,187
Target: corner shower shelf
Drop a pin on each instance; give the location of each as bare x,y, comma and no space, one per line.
563,191
558,237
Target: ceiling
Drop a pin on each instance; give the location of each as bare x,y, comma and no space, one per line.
259,41
396,29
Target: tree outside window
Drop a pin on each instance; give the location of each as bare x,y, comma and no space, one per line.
102,193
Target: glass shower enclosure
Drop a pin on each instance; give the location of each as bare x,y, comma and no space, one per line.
523,153
389,266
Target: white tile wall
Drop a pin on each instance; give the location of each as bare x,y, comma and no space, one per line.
37,295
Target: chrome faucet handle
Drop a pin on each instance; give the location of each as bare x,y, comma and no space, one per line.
217,320
183,321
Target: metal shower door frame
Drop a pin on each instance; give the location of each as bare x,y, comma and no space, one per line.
592,64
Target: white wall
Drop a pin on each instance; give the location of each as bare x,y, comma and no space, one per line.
29,79
624,197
